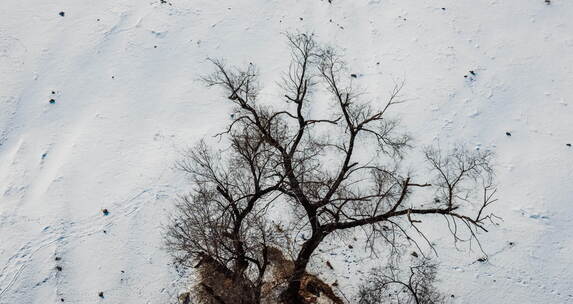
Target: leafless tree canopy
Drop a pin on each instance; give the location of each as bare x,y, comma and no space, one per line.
222,220
390,285
279,153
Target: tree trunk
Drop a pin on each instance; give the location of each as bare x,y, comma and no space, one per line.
241,263
292,293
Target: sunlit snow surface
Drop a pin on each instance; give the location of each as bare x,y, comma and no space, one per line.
127,100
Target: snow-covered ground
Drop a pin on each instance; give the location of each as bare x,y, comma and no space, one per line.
124,78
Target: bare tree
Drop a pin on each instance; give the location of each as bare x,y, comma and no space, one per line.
390,285
220,222
318,165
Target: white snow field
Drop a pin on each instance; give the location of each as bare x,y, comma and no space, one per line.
127,99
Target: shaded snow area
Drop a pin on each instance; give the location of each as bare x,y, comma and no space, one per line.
98,98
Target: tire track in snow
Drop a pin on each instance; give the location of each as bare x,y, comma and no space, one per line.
18,262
